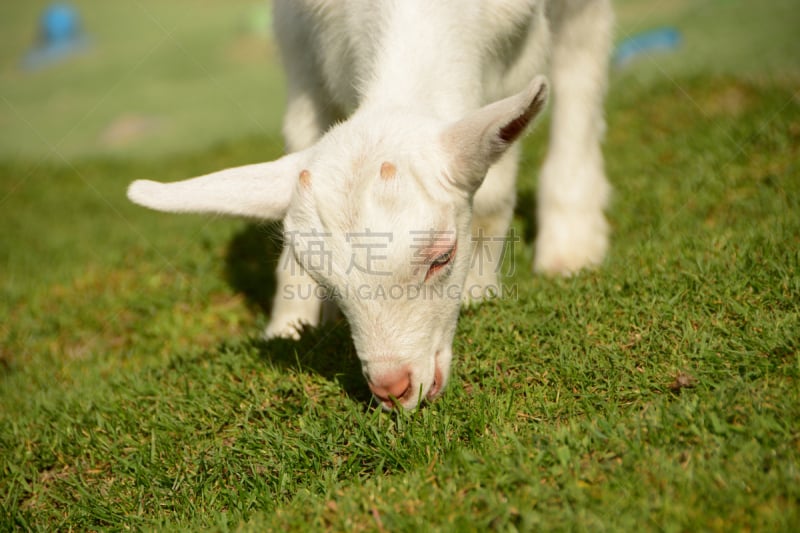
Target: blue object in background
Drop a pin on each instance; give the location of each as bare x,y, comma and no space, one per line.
60,36
663,39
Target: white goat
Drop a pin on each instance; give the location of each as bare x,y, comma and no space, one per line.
395,170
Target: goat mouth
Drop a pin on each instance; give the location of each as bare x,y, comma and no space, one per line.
436,386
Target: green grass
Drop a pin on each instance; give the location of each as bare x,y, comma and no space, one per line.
181,75
659,392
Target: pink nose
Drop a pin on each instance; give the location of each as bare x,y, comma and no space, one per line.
391,386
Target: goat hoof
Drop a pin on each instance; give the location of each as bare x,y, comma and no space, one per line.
285,330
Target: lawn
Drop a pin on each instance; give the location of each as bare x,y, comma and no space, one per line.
658,392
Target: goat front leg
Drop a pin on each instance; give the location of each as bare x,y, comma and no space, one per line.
296,304
297,301
573,190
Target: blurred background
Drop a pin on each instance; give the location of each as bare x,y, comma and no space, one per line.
136,78
149,78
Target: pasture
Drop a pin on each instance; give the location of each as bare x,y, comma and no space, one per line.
659,392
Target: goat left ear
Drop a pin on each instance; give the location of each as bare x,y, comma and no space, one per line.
475,142
262,191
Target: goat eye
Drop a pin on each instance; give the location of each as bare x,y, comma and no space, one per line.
440,262
443,259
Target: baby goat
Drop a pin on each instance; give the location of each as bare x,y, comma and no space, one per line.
398,189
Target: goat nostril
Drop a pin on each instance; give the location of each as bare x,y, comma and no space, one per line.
403,395
394,388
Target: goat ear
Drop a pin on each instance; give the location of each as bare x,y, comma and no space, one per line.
263,190
478,140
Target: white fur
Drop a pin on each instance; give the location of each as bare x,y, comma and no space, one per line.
421,159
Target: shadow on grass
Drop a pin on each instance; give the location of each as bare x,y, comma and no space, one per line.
250,263
525,210
326,351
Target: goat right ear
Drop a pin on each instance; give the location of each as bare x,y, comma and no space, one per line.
261,191
476,141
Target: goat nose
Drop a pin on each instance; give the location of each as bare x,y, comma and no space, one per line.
391,386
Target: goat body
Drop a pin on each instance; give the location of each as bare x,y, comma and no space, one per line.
399,186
